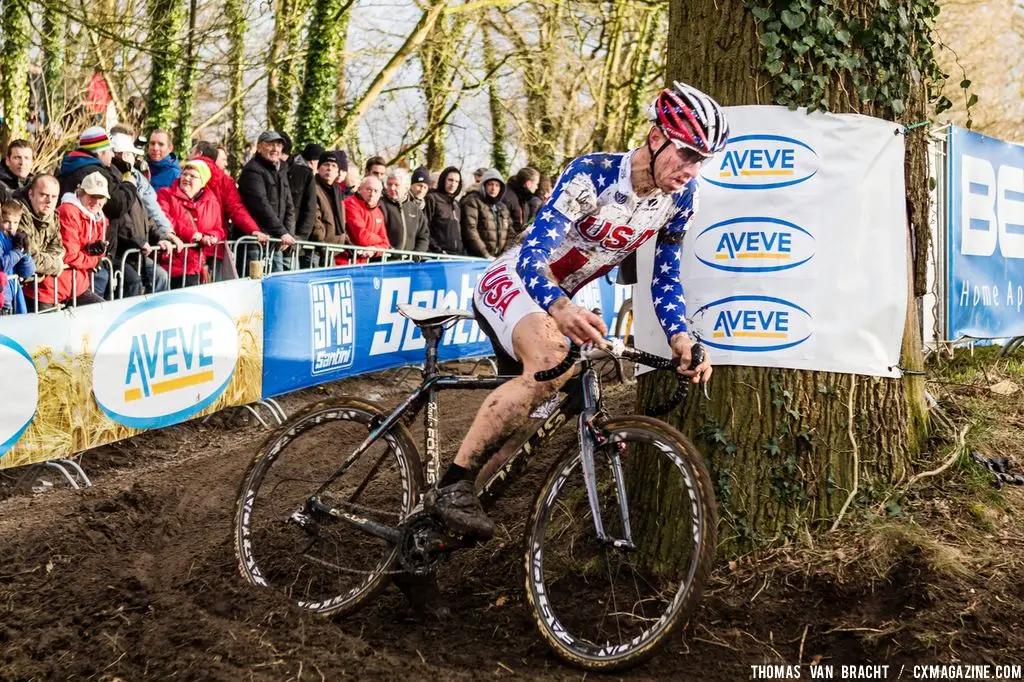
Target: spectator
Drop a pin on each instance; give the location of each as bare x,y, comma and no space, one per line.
164,168
377,167
406,221
352,180
521,187
330,216
303,188
267,194
364,218
15,168
15,259
40,222
544,188
486,224
82,228
199,220
222,184
420,186
442,211
434,177
146,224
221,160
478,175
342,172
310,156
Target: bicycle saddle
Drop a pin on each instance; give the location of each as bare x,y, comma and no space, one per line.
429,317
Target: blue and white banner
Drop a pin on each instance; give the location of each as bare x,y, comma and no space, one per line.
329,324
797,256
985,289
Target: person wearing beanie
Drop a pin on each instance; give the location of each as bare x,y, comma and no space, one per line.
310,156
223,185
95,154
329,227
163,164
442,209
198,220
486,223
420,185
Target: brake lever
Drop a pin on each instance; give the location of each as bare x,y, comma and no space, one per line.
697,354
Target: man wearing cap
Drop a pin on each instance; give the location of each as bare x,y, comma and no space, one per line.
164,168
300,178
266,192
82,228
145,224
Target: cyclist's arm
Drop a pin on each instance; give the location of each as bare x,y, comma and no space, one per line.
574,198
666,282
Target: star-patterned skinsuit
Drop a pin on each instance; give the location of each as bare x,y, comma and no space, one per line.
592,221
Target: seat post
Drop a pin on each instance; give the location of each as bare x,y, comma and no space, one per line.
432,335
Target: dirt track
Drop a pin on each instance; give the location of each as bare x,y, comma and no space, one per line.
135,578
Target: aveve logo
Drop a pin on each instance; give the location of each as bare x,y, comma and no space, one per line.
992,208
611,236
754,244
164,360
20,373
755,323
762,162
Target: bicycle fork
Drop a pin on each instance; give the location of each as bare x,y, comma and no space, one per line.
588,442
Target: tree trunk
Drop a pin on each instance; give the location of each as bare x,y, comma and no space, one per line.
187,92
499,155
786,448
283,81
439,55
166,21
14,70
315,123
237,23
52,41
641,74
341,93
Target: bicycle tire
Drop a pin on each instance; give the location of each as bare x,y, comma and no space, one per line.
624,322
567,572
263,565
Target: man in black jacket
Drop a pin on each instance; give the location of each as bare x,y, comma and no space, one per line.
406,223
300,178
267,194
443,213
15,168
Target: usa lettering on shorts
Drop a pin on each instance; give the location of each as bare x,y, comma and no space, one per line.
498,290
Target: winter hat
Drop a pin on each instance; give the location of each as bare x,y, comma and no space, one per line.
200,167
342,159
95,184
312,152
491,174
329,157
287,141
123,143
94,139
421,174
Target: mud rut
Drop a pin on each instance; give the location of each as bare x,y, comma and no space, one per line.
135,578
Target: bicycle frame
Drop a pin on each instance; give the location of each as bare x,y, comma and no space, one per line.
583,399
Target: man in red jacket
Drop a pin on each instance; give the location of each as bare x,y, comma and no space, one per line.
364,218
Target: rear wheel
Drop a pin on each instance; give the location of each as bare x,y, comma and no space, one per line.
603,607
289,540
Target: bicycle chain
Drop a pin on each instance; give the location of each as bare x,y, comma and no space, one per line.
998,466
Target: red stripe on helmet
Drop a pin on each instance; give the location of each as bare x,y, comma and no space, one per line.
684,127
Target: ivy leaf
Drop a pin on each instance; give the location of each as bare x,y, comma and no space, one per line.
825,25
972,101
943,104
769,40
761,13
793,20
965,83
809,40
897,106
800,48
773,68
843,36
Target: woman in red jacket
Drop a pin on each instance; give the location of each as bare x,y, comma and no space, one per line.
198,220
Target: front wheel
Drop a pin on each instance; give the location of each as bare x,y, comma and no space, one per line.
290,537
607,606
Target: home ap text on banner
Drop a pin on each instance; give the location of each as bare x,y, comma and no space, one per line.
797,255
104,372
985,242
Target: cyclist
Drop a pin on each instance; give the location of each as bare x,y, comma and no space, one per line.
603,208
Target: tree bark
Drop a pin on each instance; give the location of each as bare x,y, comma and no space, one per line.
14,70
315,122
499,155
341,92
187,91
53,59
786,446
284,63
237,23
166,20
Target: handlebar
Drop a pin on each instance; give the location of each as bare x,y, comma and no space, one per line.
697,354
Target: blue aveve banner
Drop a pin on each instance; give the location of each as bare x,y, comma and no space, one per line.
985,244
329,324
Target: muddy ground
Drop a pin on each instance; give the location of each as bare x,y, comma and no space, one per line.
135,578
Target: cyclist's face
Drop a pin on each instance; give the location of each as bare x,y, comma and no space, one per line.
675,166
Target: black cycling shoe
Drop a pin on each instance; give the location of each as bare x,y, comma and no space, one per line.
460,509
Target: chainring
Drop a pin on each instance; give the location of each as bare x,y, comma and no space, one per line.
424,543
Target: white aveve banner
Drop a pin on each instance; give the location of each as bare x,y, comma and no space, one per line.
797,256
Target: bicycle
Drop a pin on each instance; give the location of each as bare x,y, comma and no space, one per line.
332,536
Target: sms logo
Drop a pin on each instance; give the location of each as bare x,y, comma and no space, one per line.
755,324
164,360
334,324
762,162
20,373
754,244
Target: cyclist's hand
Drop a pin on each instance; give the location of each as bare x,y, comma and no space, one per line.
681,345
579,324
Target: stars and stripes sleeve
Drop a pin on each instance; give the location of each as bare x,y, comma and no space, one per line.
574,197
666,283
